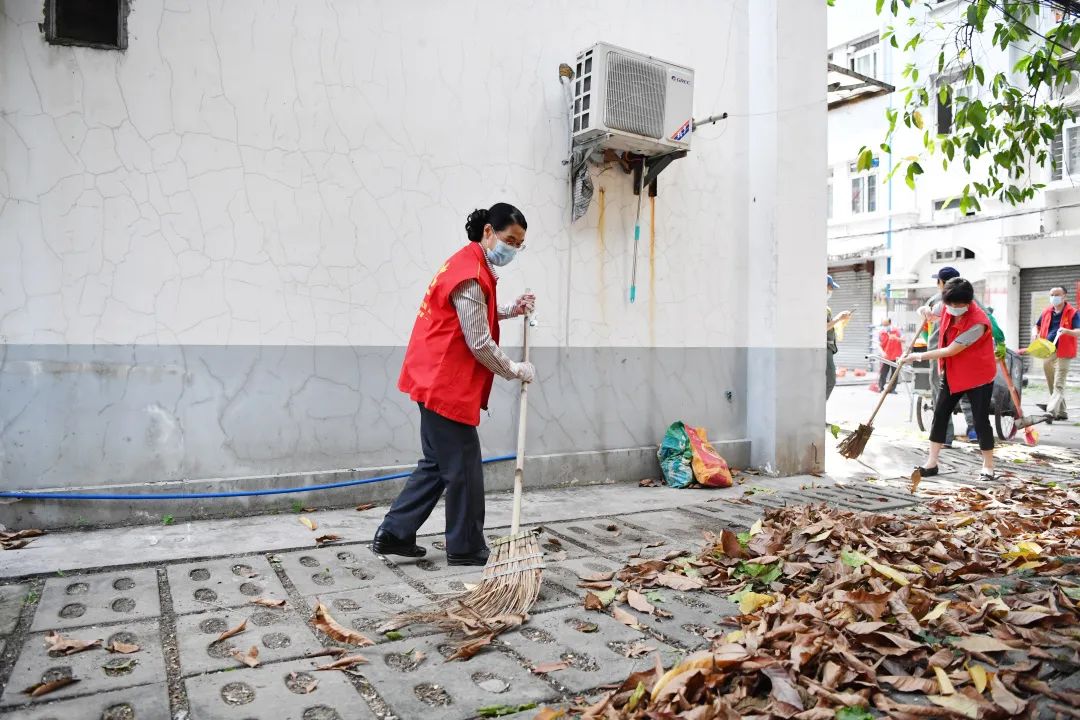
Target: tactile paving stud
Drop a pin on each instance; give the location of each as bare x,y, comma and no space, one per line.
413,678
148,702
80,600
229,582
292,690
96,670
324,570
278,635
592,643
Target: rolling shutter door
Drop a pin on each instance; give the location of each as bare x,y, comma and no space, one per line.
856,292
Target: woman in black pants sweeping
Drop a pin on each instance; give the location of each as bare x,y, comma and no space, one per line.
968,367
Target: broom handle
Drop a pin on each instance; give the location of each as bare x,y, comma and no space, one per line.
519,467
896,375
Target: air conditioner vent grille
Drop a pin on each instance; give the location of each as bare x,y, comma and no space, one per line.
635,96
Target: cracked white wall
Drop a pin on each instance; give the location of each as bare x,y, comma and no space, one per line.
292,173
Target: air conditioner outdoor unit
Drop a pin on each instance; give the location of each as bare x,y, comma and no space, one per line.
632,102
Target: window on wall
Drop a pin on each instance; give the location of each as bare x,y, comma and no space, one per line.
863,189
863,56
91,23
947,105
1065,153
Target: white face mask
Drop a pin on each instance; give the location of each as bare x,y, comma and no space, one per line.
502,253
1057,300
955,311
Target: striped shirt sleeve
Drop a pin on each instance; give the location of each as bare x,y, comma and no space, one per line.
471,309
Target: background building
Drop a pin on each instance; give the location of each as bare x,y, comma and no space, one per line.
213,242
886,240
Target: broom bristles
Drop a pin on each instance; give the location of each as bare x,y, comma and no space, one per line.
502,599
853,445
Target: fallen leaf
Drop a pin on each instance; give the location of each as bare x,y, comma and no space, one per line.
1005,699
250,658
982,643
916,478
638,649
945,685
121,647
343,663
908,684
637,601
268,602
937,612
308,509
365,506
328,538
1025,550
55,642
585,627
468,649
624,617
679,582
309,523
960,704
656,544
751,601
44,688
233,631
596,577
550,667
730,545
547,713
978,677
334,651
331,627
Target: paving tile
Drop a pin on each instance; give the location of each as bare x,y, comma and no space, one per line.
552,595
433,565
565,573
850,498
321,570
278,634
684,530
695,617
732,516
595,658
148,702
273,692
96,670
448,691
229,582
366,609
11,604
620,542
81,600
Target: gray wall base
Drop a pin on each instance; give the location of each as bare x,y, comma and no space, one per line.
542,471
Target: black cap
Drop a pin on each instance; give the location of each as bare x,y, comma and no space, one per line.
946,274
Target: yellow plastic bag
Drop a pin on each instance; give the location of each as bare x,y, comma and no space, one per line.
1041,348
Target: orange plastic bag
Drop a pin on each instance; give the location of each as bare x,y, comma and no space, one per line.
709,468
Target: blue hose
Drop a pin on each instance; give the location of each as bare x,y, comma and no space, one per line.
235,493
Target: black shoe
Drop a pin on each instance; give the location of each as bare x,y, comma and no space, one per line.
927,472
477,558
1041,406
1062,416
386,544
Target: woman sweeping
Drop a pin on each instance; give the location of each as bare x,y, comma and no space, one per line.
450,365
968,367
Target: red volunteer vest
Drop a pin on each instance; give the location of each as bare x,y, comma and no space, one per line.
1066,344
440,370
975,366
891,345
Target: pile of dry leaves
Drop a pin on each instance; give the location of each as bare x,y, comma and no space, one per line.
969,610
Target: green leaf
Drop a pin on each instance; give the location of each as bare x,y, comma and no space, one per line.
852,558
835,430
393,635
1073,592
654,596
853,713
878,6
635,698
605,596
866,159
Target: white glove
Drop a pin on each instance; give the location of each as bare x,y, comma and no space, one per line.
525,372
524,304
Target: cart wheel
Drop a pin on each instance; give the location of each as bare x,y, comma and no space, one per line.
924,413
1006,426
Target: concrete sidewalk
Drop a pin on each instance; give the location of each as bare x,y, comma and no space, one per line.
173,589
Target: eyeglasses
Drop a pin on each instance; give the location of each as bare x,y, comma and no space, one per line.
517,245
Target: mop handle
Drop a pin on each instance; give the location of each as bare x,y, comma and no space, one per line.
896,375
519,466
637,234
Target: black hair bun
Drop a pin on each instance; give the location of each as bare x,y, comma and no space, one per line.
475,224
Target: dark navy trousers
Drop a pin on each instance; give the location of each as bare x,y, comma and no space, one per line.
451,464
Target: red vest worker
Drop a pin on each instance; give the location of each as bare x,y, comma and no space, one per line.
968,366
450,365
1058,325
